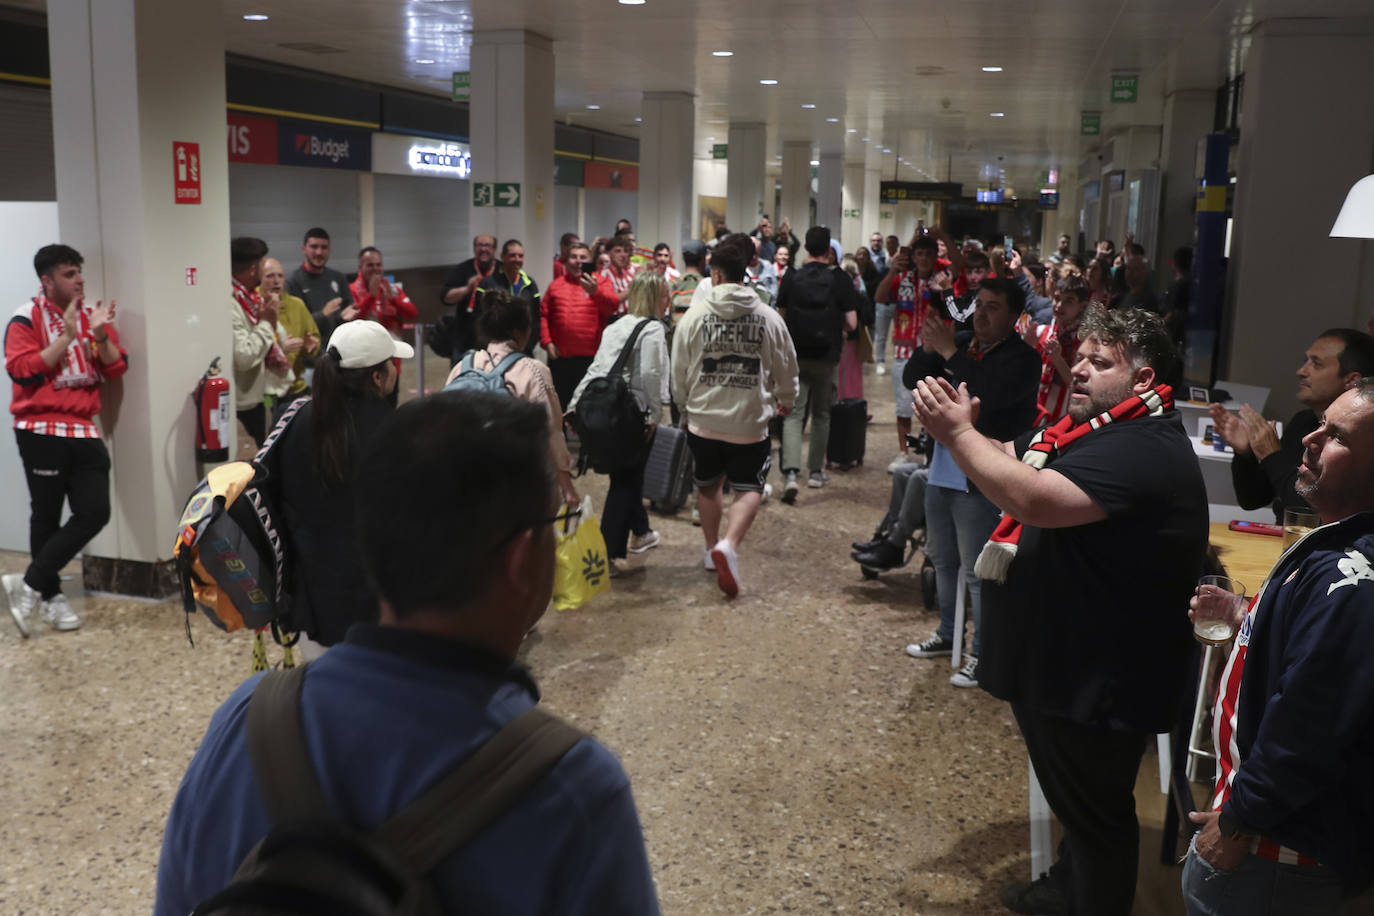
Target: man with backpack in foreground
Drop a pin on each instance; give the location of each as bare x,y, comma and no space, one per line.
820,305
308,771
732,368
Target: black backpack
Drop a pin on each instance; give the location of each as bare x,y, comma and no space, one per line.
313,863
811,313
608,420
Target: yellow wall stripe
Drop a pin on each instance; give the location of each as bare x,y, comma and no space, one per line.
254,109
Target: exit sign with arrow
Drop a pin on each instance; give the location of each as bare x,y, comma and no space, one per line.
496,194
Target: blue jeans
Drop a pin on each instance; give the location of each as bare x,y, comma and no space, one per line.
882,328
1259,887
906,509
957,526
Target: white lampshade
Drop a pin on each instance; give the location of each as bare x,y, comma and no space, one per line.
1357,216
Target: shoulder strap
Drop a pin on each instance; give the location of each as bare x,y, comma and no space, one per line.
507,362
468,360
626,350
282,770
479,791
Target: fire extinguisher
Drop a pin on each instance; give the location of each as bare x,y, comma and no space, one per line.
212,415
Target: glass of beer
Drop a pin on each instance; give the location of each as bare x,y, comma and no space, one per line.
1296,523
1217,609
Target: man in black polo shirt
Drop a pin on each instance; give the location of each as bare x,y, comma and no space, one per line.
1088,575
460,287
323,288
1002,370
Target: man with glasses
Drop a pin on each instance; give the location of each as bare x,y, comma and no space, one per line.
399,704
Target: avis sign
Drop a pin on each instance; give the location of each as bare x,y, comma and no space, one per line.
186,172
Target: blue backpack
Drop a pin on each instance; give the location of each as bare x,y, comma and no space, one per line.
470,378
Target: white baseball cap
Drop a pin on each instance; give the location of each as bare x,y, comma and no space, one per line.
364,343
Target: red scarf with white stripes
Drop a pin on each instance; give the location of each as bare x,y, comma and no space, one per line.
78,363
251,305
1047,444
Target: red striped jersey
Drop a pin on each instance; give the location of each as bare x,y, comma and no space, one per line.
1054,391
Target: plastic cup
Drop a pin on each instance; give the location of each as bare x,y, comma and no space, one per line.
1217,609
1296,524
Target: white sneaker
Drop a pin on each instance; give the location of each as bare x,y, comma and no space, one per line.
646,541
881,370
708,563
767,492
22,601
901,459
696,515
818,479
58,614
727,567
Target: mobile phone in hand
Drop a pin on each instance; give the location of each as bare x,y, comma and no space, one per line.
1007,244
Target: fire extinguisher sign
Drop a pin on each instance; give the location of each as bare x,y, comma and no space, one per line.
186,172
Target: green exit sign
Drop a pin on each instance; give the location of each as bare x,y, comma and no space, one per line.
462,87
1092,124
853,213
720,151
1125,88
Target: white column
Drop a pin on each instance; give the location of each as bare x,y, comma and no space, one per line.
1291,63
744,198
872,182
129,79
665,169
830,192
852,222
796,185
1188,117
512,140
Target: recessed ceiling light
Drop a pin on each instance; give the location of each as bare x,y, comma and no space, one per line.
631,2
768,82
808,105
722,53
256,17
639,120
852,130
886,150
712,139
992,69
832,120
815,162
997,114
593,107
424,60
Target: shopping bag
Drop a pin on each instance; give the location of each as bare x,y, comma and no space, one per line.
865,345
582,571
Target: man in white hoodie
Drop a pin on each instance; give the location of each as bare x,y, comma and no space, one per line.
733,367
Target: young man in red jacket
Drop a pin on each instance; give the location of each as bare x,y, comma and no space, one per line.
572,314
58,351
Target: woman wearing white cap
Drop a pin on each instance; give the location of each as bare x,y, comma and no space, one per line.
319,452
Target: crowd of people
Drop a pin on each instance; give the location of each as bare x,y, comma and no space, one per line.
1053,484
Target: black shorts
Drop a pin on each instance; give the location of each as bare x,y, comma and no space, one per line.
745,466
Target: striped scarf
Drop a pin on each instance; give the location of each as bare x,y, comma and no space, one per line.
250,303
995,560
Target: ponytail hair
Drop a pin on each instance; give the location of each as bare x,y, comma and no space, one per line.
331,390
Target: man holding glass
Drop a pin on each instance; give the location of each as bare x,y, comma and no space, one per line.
1102,540
1287,830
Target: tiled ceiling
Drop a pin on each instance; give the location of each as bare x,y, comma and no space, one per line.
907,75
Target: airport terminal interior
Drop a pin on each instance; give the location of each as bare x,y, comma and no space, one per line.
786,754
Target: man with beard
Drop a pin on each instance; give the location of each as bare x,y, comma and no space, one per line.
460,291
1103,537
323,289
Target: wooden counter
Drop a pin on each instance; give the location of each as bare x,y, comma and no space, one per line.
1247,557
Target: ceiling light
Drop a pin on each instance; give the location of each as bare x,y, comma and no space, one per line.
631,2
712,139
832,120
639,120
424,60
722,53
886,150
997,114
593,107
256,17
768,82
808,105
815,162
853,130
992,69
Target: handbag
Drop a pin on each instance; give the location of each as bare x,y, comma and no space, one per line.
582,570
864,348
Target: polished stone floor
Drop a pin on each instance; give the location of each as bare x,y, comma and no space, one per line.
786,755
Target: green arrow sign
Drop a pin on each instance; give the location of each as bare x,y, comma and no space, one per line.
720,151
1125,88
1092,124
481,194
507,194
462,87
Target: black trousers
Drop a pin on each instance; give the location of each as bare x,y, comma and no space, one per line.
60,470
624,510
567,371
254,419
1088,775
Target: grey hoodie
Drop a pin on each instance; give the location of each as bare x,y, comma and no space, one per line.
733,363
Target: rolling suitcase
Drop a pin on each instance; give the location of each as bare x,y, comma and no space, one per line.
848,433
668,471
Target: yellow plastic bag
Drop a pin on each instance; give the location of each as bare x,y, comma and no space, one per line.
582,570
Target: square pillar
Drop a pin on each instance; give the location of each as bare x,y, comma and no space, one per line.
744,197
830,193
665,169
796,185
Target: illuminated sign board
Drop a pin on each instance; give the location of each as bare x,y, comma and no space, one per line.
441,158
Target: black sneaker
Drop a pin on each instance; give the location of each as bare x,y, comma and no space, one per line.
883,557
865,546
930,647
1035,898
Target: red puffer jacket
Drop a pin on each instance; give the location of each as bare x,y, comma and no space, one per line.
572,320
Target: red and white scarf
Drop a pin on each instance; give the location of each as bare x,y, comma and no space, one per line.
1053,401
78,365
252,305
995,560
